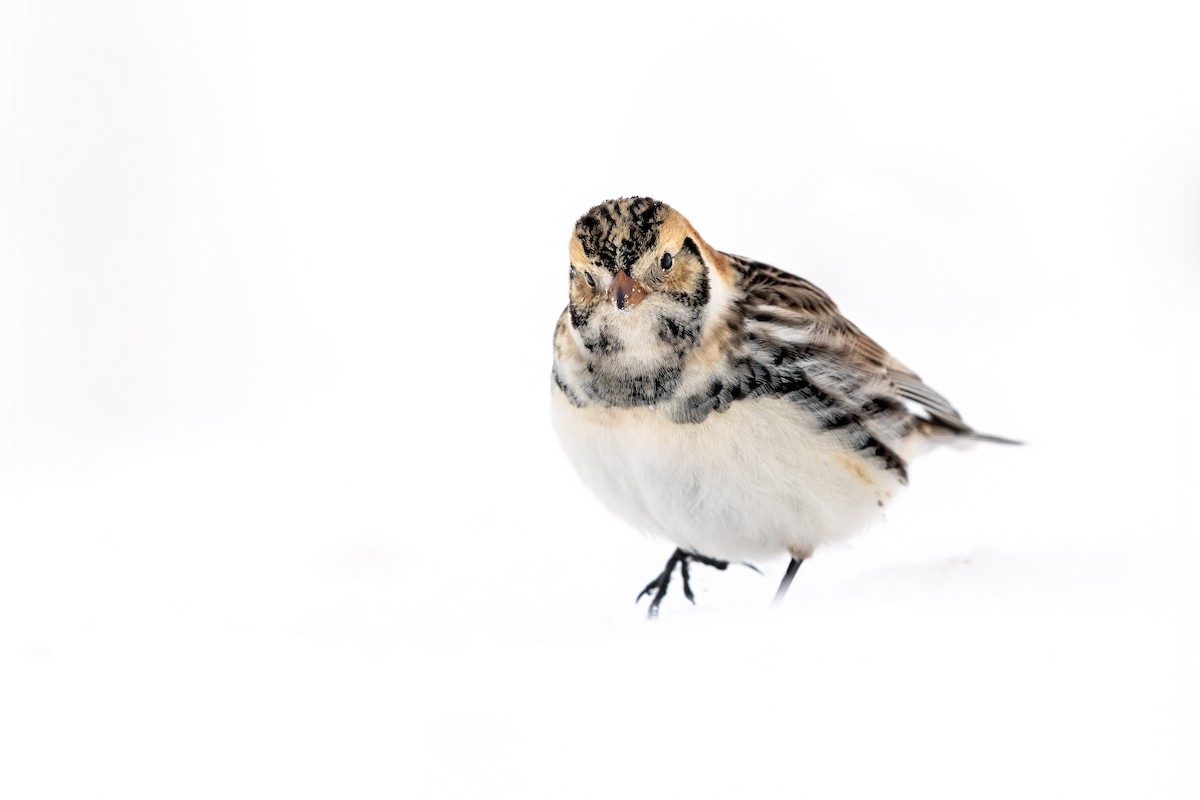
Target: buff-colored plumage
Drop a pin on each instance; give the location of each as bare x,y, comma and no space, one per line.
722,403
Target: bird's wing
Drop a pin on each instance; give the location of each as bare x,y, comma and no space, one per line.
781,308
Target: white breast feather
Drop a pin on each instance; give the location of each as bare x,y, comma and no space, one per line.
752,482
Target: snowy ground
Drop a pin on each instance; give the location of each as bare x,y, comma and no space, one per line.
281,514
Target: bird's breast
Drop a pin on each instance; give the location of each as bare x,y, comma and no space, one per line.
750,482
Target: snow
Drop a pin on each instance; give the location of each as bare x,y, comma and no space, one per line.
281,513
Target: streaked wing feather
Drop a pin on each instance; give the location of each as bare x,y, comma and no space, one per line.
910,387
772,288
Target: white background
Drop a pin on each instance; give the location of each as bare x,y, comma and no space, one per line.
281,514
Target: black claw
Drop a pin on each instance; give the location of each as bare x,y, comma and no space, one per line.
659,584
663,580
652,612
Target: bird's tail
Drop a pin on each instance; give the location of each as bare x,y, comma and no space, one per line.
943,428
987,437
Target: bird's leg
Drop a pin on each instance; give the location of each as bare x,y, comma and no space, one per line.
660,583
782,591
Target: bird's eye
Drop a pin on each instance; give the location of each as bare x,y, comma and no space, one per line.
591,281
666,261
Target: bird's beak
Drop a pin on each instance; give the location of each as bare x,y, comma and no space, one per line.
625,292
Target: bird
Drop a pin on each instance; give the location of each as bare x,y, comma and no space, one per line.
724,404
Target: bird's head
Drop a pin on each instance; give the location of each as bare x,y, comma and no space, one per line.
643,287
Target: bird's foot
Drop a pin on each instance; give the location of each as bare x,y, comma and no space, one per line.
659,585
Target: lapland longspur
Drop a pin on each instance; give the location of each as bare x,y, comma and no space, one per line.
723,403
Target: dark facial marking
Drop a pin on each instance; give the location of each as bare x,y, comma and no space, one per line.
615,235
697,298
594,237
645,216
579,316
588,232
